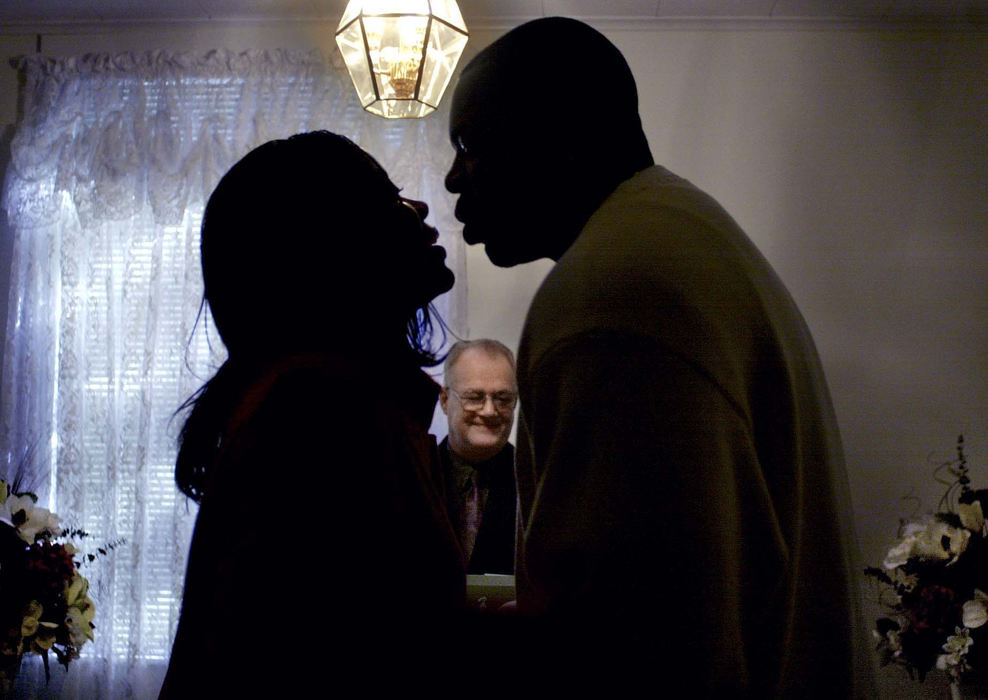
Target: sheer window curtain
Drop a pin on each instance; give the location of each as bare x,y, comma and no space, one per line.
110,167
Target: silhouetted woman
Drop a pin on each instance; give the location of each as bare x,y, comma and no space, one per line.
321,553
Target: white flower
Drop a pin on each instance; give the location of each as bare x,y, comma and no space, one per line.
32,619
895,643
12,506
20,513
78,623
932,540
975,612
958,643
899,554
945,661
44,637
972,516
81,610
76,589
954,661
890,641
41,521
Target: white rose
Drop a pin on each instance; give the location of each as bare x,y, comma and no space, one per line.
40,520
81,610
972,516
975,612
899,554
29,520
932,540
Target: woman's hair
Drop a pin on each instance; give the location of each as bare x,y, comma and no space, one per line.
288,243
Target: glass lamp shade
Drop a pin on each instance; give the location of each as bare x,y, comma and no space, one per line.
401,53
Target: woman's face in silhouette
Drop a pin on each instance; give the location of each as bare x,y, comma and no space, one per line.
412,263
306,234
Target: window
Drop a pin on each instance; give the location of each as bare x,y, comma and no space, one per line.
110,169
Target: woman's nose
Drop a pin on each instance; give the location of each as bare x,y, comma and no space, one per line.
420,208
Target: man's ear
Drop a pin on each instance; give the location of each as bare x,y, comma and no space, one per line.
443,398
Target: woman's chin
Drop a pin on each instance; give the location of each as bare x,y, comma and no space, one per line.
448,281
443,282
422,289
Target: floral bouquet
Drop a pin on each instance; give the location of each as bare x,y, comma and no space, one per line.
44,601
934,584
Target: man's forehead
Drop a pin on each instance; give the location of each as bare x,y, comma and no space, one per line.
470,96
480,360
484,94
489,114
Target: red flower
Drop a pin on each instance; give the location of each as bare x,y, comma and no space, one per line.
50,566
934,607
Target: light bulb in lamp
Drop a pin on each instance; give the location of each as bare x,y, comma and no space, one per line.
401,53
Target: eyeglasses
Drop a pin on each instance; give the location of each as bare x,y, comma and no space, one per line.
476,400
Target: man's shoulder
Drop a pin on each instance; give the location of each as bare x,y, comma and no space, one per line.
660,260
651,215
645,262
445,455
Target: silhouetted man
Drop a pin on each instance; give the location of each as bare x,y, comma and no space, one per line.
478,397
684,514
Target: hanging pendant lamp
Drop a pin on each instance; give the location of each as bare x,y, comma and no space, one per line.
401,53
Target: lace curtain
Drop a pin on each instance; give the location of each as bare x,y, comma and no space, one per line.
110,167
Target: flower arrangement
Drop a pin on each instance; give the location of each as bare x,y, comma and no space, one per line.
44,600
934,584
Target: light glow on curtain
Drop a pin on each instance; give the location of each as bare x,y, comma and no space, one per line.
110,168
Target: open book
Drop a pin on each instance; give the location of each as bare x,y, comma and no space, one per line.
490,591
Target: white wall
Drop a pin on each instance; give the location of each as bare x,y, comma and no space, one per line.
857,160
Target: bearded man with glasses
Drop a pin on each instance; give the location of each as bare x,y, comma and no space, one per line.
478,397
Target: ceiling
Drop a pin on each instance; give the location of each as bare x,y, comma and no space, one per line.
27,14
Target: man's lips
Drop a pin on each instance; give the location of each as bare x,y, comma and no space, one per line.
460,210
492,427
471,235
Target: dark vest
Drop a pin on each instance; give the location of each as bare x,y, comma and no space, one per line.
494,550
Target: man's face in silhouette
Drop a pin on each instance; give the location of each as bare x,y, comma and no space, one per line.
410,257
479,403
512,187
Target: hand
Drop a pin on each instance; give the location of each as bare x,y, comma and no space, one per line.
509,608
